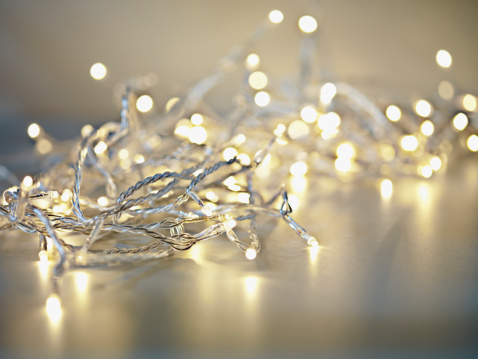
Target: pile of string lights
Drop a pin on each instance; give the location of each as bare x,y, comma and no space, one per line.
148,186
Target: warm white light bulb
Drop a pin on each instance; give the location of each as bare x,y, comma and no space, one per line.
327,93
276,16
33,130
253,61
443,58
262,99
197,119
460,121
307,24
409,143
144,103
472,143
98,71
251,253
298,169
469,102
312,241
427,128
435,163
258,80
393,113
206,210
309,114
423,108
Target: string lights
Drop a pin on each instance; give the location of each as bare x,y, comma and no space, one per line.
168,179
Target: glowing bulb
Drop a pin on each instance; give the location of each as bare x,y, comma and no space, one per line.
460,121
229,181
57,209
276,17
230,223
327,93
426,171
144,103
409,143
244,159
243,197
346,150
53,308
280,129
229,153
258,80
312,241
239,139
86,130
329,121
435,163
298,169
138,158
206,209
197,119
43,255
298,129
262,99
427,128
251,253
393,113
33,130
211,196
469,102
386,188
293,201
307,24
423,108
309,114
252,61
27,182
197,135
343,164
171,102
123,153
100,147
443,58
102,201
472,143
446,90
98,71
66,195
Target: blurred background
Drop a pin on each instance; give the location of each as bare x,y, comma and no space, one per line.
48,47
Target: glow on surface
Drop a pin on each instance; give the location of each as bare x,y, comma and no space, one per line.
98,71
393,113
197,135
171,102
309,114
298,129
460,121
427,128
258,80
423,108
100,147
81,282
327,93
33,130
197,119
386,188
229,153
409,143
307,24
298,169
446,90
329,121
346,150
251,285
444,58
144,103
343,164
469,102
262,99
472,143
251,253
53,308
426,171
276,16
253,61
435,163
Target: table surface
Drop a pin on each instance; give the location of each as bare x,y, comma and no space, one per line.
394,277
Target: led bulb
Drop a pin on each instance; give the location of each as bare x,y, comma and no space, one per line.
33,130
312,241
43,255
276,16
251,253
206,210
98,71
307,24
460,121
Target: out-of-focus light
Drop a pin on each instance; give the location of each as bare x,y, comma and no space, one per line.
307,24
446,90
100,147
244,159
43,255
86,130
144,103
393,113
443,58
57,209
423,108
197,119
309,114
212,196
98,71
472,143
27,181
280,129
469,102
386,188
44,146
262,99
460,121
33,130
387,152
298,169
329,121
276,16
343,164
346,150
206,209
251,253
258,80
102,201
81,282
435,163
312,241
171,102
426,171
327,93
138,158
298,129
253,61
427,128
230,181
53,308
229,153
123,153
293,201
243,197
409,143
239,139
197,135
66,195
